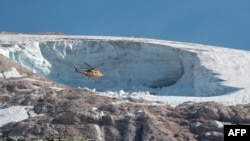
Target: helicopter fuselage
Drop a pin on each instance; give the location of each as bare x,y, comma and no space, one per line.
94,73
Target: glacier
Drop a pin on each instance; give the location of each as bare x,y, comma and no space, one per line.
157,70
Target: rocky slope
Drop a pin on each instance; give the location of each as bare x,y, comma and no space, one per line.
63,113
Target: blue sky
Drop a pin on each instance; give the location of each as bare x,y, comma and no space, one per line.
223,23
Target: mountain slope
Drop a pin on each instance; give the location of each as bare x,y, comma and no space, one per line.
35,108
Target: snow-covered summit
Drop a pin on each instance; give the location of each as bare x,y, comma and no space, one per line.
172,72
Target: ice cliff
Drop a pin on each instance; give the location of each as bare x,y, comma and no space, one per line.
151,69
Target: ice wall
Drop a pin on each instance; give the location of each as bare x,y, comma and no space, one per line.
128,65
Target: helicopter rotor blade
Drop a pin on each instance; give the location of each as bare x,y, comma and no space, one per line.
98,65
93,67
88,64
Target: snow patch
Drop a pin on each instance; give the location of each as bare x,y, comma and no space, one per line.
12,73
128,114
56,88
15,114
99,132
216,124
213,133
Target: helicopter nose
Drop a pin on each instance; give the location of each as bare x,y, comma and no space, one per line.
101,74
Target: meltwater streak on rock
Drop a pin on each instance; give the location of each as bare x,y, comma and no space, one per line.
128,65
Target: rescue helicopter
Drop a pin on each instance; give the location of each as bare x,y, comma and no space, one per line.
91,72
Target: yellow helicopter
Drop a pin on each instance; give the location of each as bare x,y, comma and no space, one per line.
91,72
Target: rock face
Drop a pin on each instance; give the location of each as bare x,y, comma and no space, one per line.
63,113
